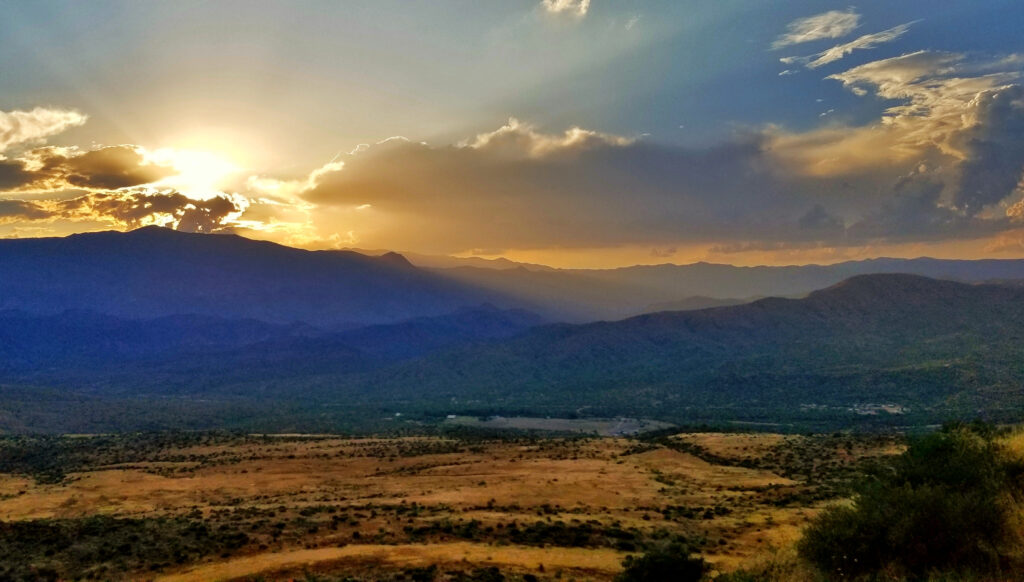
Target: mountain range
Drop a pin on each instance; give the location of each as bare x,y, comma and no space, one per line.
151,315
154,272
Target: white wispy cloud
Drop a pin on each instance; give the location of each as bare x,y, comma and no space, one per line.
572,7
868,41
831,24
18,127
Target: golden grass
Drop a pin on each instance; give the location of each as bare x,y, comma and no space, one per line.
494,483
735,446
409,555
1014,443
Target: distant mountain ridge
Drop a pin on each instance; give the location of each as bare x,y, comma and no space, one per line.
154,272
448,261
585,295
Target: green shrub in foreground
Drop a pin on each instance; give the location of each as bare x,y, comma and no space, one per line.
947,505
672,562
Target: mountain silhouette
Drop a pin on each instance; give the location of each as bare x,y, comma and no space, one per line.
154,272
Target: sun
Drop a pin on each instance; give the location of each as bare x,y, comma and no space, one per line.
198,173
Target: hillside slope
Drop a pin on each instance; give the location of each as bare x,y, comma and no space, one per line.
871,339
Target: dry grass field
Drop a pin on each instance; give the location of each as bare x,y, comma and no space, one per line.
384,508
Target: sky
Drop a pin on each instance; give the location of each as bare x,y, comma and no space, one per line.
574,133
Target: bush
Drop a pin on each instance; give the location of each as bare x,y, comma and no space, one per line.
672,562
947,505
78,548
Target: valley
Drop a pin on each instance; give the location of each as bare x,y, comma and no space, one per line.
202,506
880,351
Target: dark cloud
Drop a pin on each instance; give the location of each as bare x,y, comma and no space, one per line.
995,150
13,175
16,210
107,168
915,212
818,220
127,209
133,209
207,215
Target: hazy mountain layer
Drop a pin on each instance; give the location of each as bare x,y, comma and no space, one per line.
587,295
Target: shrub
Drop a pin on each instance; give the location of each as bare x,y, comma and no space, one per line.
671,562
946,505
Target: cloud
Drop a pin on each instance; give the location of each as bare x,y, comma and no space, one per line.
819,221
938,99
993,148
914,213
20,210
576,8
868,41
1011,241
942,162
105,168
130,209
831,24
19,127
516,140
518,187
13,175
966,111
173,209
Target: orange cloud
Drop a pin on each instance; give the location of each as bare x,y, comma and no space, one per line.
106,168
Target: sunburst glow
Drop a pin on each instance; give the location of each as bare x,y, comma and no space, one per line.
199,174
